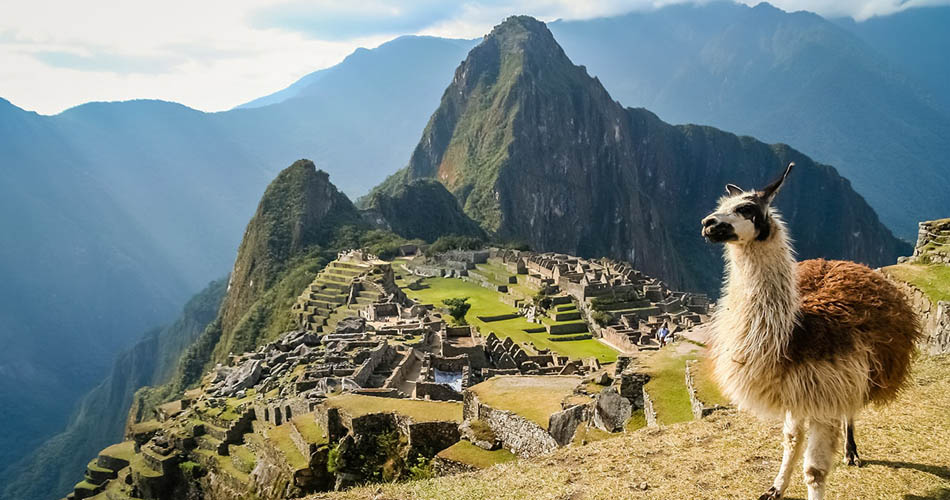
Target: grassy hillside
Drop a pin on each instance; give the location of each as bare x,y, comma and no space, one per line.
728,455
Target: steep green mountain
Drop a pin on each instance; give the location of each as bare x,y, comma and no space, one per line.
101,416
299,212
113,214
536,150
796,78
421,209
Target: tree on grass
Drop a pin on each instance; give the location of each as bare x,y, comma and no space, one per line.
458,308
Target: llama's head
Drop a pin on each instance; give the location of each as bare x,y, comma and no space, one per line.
743,216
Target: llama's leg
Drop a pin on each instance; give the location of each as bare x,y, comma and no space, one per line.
823,439
850,448
792,434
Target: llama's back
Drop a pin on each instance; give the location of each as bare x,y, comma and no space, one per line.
848,308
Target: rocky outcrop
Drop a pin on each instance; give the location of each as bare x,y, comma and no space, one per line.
933,242
611,410
537,151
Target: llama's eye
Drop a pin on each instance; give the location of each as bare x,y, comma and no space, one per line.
746,210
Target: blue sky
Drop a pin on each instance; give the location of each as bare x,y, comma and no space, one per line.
215,54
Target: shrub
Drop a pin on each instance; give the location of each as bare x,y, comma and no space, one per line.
422,469
458,308
454,242
542,301
601,318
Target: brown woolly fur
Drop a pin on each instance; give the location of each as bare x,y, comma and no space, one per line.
847,307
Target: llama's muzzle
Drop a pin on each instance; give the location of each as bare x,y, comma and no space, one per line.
718,232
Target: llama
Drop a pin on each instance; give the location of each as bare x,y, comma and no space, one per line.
812,342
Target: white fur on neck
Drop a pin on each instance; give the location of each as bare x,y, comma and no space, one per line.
756,314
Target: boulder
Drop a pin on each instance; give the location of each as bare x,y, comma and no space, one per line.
243,377
563,424
611,410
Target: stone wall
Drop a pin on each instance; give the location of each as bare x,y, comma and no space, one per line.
934,319
699,407
648,410
516,433
376,356
436,392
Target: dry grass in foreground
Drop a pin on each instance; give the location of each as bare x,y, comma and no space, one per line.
906,446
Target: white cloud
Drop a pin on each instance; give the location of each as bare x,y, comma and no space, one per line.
215,54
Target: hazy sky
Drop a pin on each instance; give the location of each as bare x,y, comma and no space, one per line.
213,55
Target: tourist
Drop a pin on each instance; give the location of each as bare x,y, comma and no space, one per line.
662,335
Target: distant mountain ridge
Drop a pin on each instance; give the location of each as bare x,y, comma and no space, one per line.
796,78
538,151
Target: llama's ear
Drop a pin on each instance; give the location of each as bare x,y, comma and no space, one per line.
768,192
732,190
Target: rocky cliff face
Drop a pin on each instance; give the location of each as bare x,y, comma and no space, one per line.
536,150
421,209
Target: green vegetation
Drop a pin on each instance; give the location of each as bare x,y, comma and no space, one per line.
124,450
533,397
482,431
191,470
933,280
667,387
467,453
458,307
242,458
280,436
420,411
485,302
455,242
309,429
601,318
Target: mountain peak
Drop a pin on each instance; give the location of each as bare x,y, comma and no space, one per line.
519,28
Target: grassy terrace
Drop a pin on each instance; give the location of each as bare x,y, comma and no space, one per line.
124,450
420,411
533,397
280,436
467,453
667,385
485,302
933,280
309,429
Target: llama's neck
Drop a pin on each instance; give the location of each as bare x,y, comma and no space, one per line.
760,302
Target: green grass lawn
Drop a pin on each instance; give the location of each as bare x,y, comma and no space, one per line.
667,384
124,450
533,397
467,453
667,387
706,388
485,302
280,436
419,411
310,429
933,280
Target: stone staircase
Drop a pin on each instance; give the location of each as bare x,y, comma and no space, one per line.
330,291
